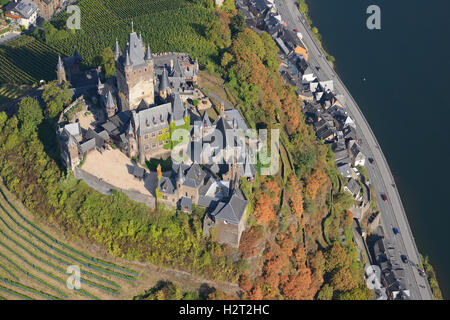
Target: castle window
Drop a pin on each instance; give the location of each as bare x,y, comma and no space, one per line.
160,143
146,137
147,147
153,134
154,145
160,133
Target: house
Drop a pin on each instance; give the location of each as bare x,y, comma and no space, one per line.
345,170
358,158
294,43
354,188
272,24
259,8
228,219
25,12
47,8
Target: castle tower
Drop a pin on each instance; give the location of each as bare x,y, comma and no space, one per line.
132,143
60,71
100,86
135,74
72,149
164,88
117,52
111,107
180,177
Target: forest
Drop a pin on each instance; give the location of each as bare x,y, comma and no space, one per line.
291,248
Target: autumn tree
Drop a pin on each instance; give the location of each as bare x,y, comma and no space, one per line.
315,182
249,240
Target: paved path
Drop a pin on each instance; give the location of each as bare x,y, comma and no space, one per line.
393,213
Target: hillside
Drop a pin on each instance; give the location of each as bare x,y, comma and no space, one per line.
292,247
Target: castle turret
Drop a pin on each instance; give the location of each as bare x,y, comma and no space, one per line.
111,106
164,88
100,85
180,176
148,56
117,52
60,71
135,75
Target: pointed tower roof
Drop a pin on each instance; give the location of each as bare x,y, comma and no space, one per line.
130,130
180,176
60,64
205,120
186,113
75,53
164,84
148,56
117,51
99,83
127,60
110,101
177,107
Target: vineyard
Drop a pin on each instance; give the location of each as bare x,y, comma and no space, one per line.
26,60
33,263
175,25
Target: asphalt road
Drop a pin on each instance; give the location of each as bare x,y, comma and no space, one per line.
392,211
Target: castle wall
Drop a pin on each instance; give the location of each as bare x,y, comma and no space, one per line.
106,188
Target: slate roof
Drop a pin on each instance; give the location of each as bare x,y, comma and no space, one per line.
186,203
353,186
177,109
231,211
135,51
195,176
154,118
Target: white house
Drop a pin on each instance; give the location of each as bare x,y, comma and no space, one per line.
25,12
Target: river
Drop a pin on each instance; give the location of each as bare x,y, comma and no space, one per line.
406,100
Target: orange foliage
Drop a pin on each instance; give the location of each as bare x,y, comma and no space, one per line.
245,283
296,198
315,182
264,212
249,241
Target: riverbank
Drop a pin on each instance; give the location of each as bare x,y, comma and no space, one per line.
431,275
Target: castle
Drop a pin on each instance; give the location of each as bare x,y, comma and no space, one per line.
142,105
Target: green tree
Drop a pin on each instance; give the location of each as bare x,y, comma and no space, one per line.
237,23
56,97
108,63
29,115
3,118
326,293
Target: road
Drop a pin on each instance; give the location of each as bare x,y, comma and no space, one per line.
392,211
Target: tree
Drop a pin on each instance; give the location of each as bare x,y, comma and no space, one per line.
108,63
56,97
3,118
343,280
326,293
29,115
237,23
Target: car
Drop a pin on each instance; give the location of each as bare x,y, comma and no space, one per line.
384,197
395,230
318,68
422,272
404,258
371,160
295,30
